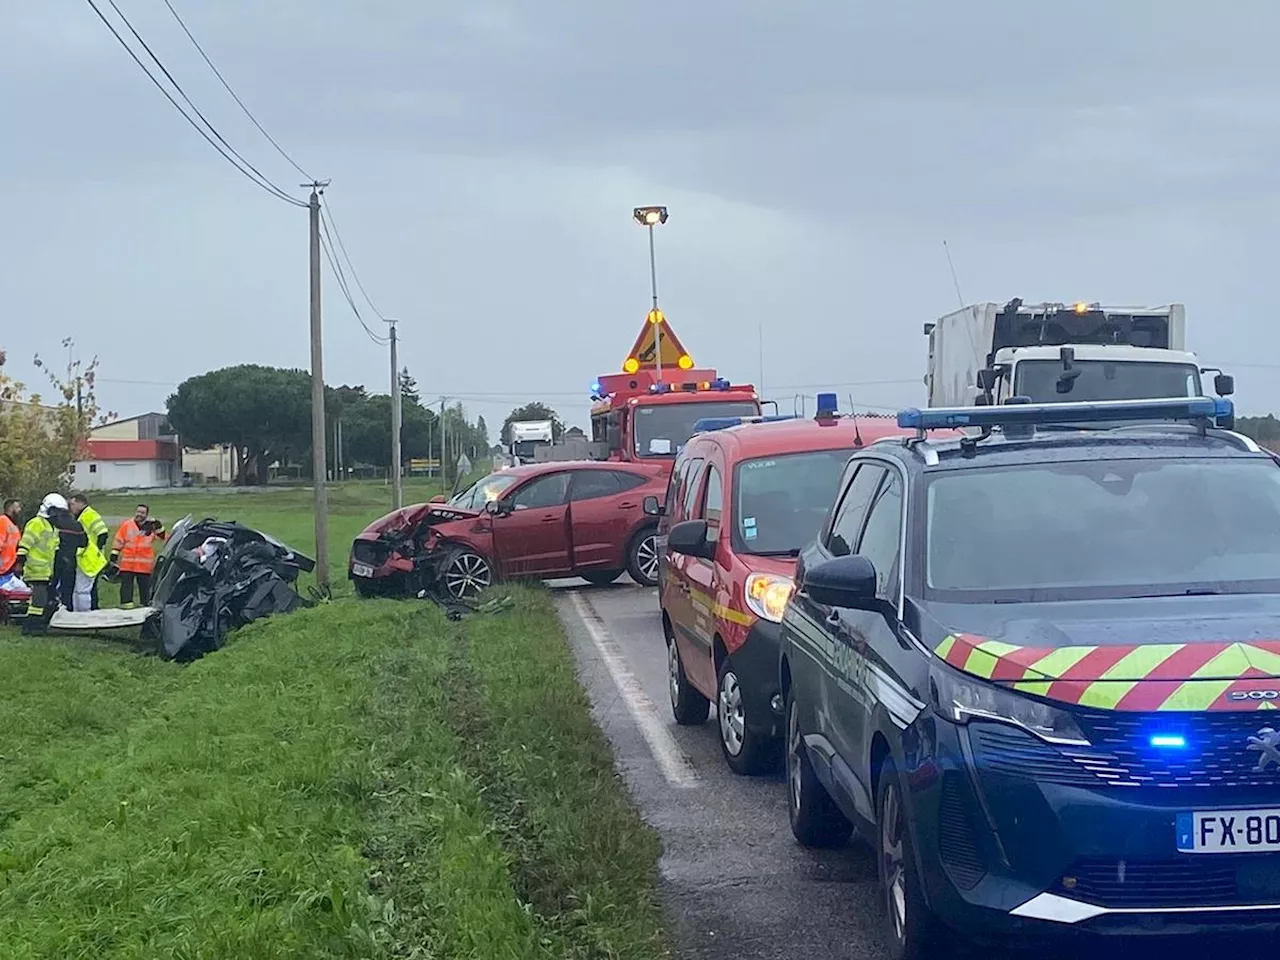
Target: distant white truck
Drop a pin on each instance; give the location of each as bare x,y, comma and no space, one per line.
1050,352
527,436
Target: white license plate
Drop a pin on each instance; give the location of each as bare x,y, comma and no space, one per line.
362,570
1229,831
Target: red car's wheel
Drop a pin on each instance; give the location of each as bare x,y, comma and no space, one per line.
465,573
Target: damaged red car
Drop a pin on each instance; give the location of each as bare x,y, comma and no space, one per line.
541,521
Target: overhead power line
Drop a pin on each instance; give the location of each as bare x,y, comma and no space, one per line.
223,80
328,210
336,266
214,138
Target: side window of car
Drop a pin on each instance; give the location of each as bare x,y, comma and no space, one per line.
675,487
548,491
628,481
853,509
882,535
590,484
712,503
693,482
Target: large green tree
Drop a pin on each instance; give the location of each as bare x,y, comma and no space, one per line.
264,413
409,388
366,431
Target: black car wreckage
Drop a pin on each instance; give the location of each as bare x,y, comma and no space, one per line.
214,576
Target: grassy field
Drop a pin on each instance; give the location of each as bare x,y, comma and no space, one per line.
364,779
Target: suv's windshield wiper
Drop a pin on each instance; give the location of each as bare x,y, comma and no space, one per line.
1046,427
793,552
1190,592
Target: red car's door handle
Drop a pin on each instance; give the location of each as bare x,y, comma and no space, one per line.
628,505
551,519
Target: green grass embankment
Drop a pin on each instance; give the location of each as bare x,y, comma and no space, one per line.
363,779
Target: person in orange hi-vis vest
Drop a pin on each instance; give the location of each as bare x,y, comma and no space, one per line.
133,554
10,534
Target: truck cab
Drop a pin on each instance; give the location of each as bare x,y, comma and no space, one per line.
527,437
646,413
1051,352
653,419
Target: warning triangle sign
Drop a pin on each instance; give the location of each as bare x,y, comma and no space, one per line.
657,332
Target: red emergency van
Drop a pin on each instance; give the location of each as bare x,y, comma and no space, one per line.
744,497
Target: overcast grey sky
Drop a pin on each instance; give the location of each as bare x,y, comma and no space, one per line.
485,157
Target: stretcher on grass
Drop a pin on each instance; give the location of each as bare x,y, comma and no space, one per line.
93,621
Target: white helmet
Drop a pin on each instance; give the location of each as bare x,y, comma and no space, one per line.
51,502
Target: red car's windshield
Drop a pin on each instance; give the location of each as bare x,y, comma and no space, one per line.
482,491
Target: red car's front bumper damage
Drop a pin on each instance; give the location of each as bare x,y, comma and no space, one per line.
401,555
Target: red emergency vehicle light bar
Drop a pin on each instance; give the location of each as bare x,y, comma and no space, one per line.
648,382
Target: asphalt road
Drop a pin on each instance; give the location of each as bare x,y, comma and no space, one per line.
737,884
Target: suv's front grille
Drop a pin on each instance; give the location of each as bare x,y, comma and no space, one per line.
1216,753
1189,882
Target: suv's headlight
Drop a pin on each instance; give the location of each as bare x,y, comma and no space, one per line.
767,595
961,698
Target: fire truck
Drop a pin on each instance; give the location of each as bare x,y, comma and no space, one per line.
647,412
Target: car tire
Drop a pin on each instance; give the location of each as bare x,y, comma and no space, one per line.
910,927
642,557
746,751
688,706
816,821
364,588
602,578
464,573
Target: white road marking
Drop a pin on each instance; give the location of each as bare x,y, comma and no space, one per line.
672,761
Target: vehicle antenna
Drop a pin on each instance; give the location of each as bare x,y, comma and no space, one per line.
857,431
955,281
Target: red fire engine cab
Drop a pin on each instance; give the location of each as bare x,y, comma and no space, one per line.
647,412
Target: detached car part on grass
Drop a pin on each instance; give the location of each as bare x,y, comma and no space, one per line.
214,576
15,598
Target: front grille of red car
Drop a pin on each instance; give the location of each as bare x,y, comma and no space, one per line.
372,552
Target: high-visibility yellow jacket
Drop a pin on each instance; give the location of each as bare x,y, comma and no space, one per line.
90,559
39,544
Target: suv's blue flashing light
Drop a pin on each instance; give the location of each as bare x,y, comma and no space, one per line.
1031,414
1168,741
721,423
827,403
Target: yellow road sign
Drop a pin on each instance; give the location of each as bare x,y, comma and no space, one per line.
644,354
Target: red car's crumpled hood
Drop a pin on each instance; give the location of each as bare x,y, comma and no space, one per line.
412,516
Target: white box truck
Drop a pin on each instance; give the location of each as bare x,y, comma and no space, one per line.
527,437
1051,352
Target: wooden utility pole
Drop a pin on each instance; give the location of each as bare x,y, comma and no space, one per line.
397,488
319,456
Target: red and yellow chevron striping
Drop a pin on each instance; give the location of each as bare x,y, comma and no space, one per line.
1226,675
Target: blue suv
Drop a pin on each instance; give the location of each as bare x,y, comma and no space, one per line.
1038,668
